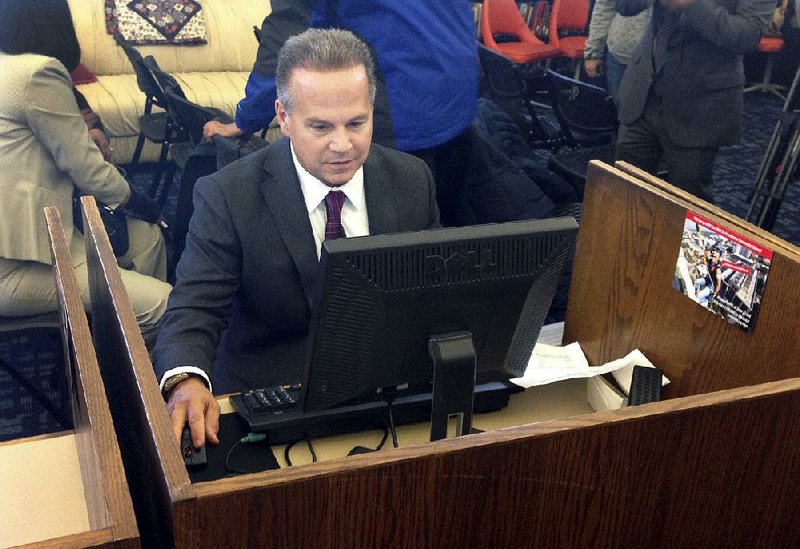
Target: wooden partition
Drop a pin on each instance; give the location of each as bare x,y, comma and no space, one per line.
638,306
703,470
140,418
109,512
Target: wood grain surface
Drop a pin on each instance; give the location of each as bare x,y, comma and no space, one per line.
108,501
621,296
709,469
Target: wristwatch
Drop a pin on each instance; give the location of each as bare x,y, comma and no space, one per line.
173,381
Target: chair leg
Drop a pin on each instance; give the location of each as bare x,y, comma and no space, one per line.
766,85
169,180
162,161
137,152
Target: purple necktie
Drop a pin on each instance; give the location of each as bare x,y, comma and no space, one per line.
333,207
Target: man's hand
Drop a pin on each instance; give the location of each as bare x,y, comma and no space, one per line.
101,140
191,401
213,128
594,67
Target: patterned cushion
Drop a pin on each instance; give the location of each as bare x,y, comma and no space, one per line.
156,21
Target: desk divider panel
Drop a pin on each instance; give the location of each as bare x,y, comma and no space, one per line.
730,220
159,481
628,246
702,470
110,512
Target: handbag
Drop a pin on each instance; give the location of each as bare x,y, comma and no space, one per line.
114,221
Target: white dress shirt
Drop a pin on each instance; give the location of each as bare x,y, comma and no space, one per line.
354,211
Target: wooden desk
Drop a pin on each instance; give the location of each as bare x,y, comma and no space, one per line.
715,465
555,401
68,489
537,404
42,494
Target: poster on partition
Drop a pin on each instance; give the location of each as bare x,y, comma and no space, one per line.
721,270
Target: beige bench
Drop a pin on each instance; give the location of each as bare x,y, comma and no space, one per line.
212,74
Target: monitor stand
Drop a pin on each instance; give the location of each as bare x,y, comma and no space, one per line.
453,382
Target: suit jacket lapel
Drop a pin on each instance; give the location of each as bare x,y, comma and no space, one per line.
381,210
284,198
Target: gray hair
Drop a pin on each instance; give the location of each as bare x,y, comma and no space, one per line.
322,50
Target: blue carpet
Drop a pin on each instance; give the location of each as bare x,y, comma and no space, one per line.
736,167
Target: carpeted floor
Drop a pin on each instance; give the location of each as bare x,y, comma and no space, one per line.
736,167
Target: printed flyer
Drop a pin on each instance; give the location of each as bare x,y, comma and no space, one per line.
721,270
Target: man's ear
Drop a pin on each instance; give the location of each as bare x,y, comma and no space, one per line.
282,115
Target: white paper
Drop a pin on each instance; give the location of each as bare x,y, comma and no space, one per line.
624,373
549,364
601,396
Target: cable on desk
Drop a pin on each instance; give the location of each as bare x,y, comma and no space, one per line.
291,445
392,428
252,437
364,450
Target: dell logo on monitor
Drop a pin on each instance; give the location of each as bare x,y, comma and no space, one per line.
471,262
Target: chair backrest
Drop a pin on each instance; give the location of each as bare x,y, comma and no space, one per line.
502,17
571,15
508,88
144,78
189,116
162,80
582,110
506,83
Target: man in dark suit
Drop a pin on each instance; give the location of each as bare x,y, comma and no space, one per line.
681,96
240,311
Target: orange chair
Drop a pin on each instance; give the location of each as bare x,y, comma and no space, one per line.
772,46
571,16
503,17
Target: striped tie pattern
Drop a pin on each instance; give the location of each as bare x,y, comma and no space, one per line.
333,207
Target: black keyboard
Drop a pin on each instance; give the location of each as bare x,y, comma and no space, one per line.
278,411
272,400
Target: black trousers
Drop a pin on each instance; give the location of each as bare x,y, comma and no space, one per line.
646,145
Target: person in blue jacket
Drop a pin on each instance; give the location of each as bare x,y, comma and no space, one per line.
427,77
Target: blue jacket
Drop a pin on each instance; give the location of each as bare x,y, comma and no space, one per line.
426,58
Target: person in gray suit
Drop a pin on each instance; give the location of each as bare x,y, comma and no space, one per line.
239,315
681,96
46,153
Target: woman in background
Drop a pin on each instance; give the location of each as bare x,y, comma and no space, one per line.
45,153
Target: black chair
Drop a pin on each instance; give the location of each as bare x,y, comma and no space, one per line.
189,116
513,87
588,120
155,127
586,113
183,123
195,158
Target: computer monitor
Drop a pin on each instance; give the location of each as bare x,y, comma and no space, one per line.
442,307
